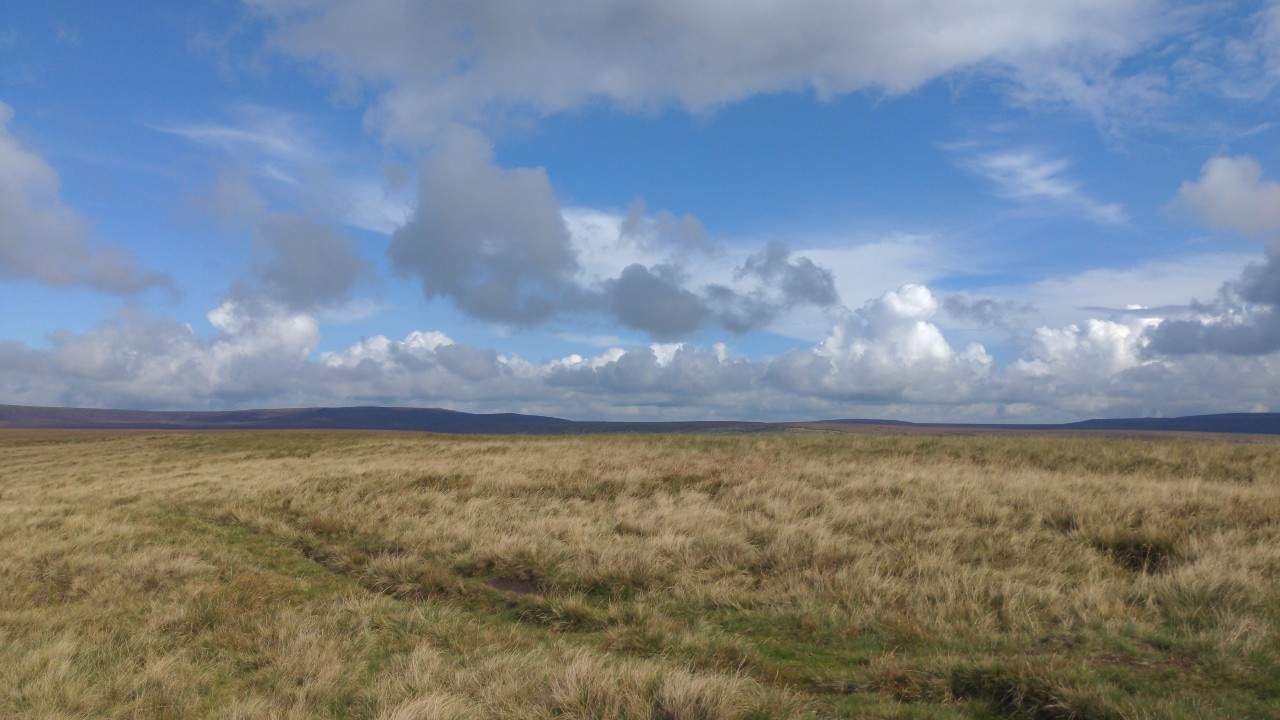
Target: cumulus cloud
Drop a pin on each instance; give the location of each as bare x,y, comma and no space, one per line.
888,350
44,240
885,359
1029,178
259,351
438,63
1085,369
1231,194
490,239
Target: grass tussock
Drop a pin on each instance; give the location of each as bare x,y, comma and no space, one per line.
379,575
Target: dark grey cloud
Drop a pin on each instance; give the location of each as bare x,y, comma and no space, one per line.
1259,335
985,311
468,362
493,241
1243,320
800,282
490,239
43,240
307,264
780,284
658,301
1260,283
654,301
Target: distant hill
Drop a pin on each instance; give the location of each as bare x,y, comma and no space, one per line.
346,418
451,421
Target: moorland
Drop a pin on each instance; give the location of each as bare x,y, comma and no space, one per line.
340,574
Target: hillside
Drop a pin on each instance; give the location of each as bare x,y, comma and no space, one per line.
454,422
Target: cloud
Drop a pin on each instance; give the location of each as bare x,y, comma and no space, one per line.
799,282
1082,368
307,264
887,350
258,352
1244,318
1231,194
495,242
258,132
885,359
664,231
780,285
438,63
44,240
657,299
490,239
301,262
653,301
291,160
986,311
1242,63
1168,283
1028,178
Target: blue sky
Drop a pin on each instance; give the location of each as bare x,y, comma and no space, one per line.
982,210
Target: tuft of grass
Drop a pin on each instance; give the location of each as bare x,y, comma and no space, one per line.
1024,693
1143,550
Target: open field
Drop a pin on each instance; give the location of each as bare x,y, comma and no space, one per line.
382,575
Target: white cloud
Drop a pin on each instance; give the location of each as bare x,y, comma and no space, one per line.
1029,178
1073,299
477,62
382,351
888,350
1231,194
885,359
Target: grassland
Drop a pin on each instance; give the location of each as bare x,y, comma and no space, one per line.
399,576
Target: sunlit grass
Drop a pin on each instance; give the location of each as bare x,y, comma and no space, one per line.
314,574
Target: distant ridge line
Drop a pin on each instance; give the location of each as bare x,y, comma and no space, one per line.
455,422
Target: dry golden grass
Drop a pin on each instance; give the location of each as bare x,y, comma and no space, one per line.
398,576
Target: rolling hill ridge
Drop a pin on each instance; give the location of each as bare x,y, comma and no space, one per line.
452,421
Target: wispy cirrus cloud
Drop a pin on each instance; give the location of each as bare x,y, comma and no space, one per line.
1030,178
286,152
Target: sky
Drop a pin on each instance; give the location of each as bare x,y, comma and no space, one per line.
963,211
